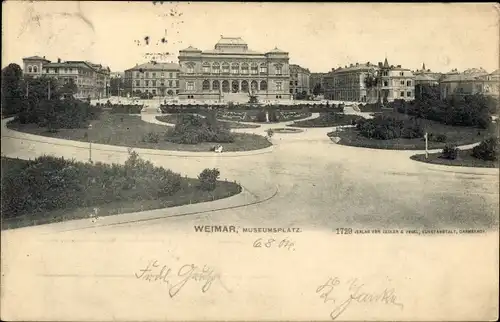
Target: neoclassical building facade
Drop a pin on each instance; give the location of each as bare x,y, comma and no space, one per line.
231,72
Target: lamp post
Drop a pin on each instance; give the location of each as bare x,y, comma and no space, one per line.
90,143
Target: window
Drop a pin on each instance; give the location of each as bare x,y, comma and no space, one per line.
154,91
291,91
263,69
408,83
146,83
169,83
215,85
170,75
190,68
176,91
225,68
244,69
401,74
153,75
206,85
30,70
279,69
235,69
291,83
402,82
296,83
147,74
408,94
263,85
190,86
216,68
206,68
35,69
386,83
176,83
153,83
254,69
162,74
137,75
402,94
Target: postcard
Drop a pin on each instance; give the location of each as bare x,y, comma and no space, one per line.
208,161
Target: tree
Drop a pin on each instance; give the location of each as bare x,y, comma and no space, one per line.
116,85
317,89
12,91
69,89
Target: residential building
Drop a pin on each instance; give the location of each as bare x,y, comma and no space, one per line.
159,79
470,82
299,81
33,66
231,71
92,80
422,79
427,72
370,83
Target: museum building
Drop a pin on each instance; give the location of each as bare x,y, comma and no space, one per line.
232,72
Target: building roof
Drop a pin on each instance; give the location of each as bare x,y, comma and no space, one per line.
70,64
357,67
231,41
190,49
35,58
496,72
423,77
155,66
276,50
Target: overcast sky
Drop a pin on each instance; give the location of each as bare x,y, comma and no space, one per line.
318,36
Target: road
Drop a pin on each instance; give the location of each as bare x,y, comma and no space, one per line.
85,270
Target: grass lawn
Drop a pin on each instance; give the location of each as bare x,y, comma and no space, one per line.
327,120
129,130
188,194
464,159
457,135
172,119
251,115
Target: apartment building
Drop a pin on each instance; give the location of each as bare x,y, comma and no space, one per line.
299,81
158,79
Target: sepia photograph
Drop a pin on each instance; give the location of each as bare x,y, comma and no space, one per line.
249,161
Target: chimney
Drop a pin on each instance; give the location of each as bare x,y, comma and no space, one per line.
399,66
379,64
58,60
43,57
368,63
350,65
357,64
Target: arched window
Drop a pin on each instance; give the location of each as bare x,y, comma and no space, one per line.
216,68
235,86
206,68
225,68
254,86
254,69
30,70
206,85
235,69
225,86
244,69
35,69
244,86
263,85
190,68
263,69
216,85
170,92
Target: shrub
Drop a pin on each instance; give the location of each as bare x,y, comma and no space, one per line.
273,116
261,116
487,150
449,152
436,138
151,137
49,183
191,129
208,179
270,133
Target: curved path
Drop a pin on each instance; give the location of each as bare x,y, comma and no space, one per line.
307,182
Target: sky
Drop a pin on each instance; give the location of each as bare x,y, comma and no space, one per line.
318,36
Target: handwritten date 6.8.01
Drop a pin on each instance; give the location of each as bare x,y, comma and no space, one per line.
274,243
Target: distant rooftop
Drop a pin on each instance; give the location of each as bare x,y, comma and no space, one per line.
155,66
35,58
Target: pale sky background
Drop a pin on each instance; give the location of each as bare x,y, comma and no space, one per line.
318,36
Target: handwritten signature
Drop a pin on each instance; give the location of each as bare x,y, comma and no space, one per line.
155,272
356,293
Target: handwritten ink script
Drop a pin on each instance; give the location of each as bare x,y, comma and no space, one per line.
175,280
342,294
274,243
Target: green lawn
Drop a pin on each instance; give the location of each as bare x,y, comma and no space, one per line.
464,159
327,120
457,135
172,119
189,193
129,130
